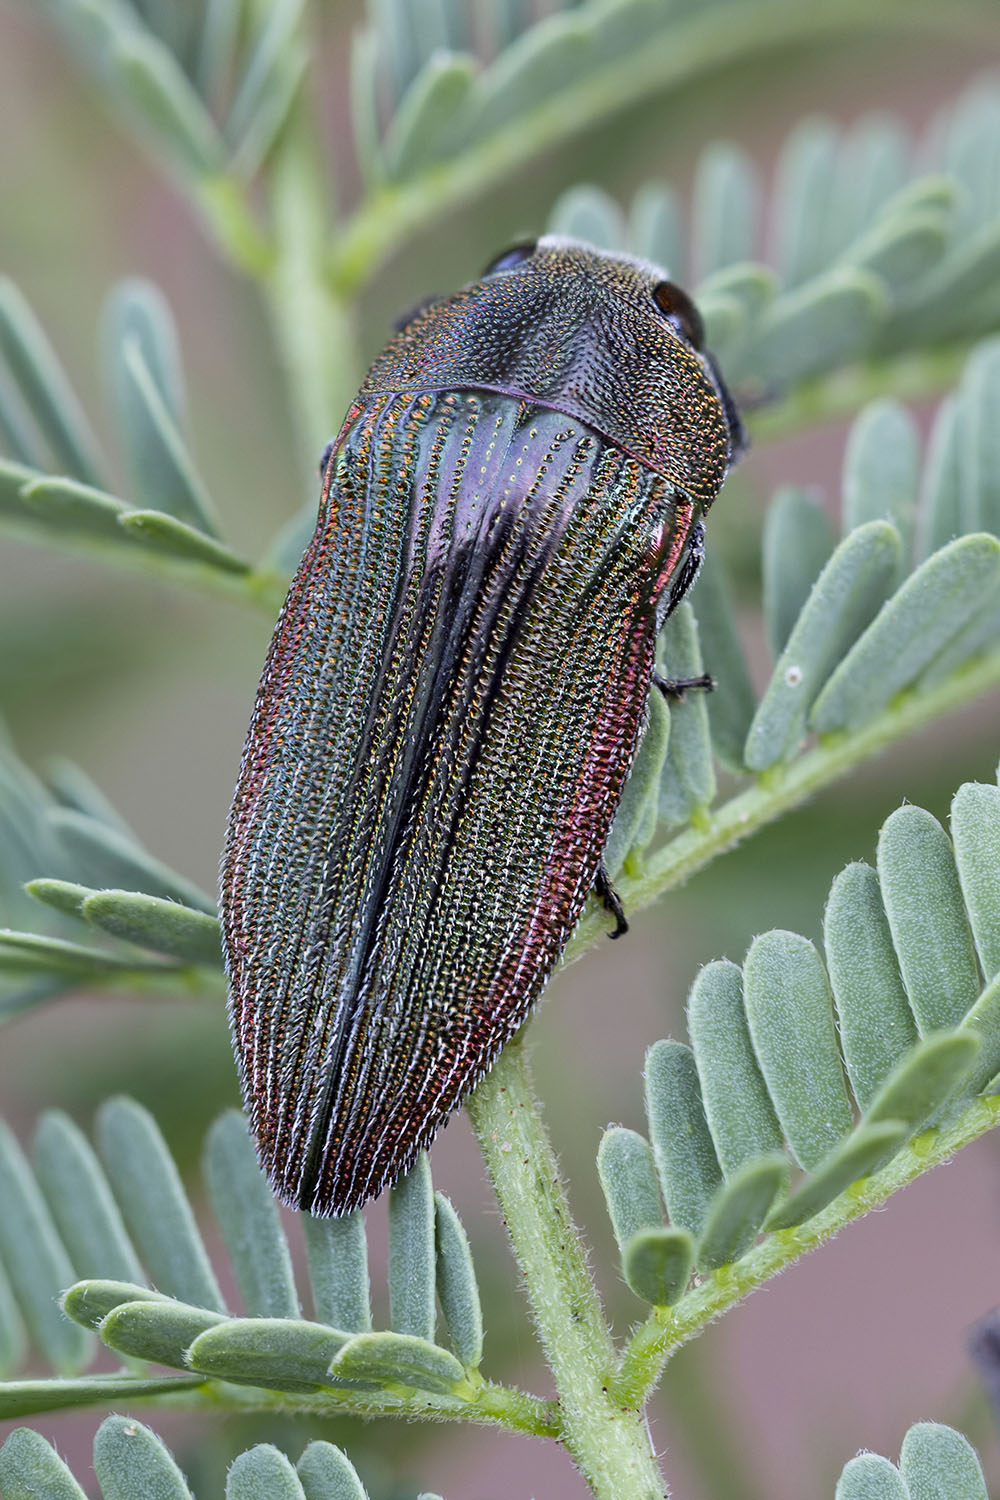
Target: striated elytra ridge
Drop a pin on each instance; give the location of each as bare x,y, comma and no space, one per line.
452,699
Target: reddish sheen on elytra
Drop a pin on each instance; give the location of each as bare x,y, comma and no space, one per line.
451,703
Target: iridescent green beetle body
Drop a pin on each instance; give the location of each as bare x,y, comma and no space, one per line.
452,699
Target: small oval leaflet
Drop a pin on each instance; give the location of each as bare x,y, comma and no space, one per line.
453,697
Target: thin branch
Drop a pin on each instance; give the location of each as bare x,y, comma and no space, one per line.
607,1439
493,1406
313,325
666,1329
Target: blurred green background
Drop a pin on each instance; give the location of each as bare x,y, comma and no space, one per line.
150,689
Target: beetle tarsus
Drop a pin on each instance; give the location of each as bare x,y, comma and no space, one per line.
674,689
610,900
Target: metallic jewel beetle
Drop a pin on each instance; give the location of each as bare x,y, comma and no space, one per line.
453,696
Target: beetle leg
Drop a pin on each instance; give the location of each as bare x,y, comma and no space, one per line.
675,689
610,900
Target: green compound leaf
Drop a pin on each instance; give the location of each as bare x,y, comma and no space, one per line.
412,1256
160,533
263,1473
869,1477
89,1302
30,1468
86,1215
635,820
46,391
937,1463
432,115
798,540
975,832
248,1216
627,1171
151,922
790,1013
845,598
687,784
194,1332
917,872
158,1331
925,1077
874,1017
337,1250
156,1208
400,1359
269,50
326,1474
657,1263
739,1209
282,1354
156,92
36,1262
938,511
457,1289
931,608
682,1145
726,208
130,1460
880,470
867,1149
737,1104
731,707
829,321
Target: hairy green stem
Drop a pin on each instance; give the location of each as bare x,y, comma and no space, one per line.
666,1329
607,1439
783,787
493,1405
684,51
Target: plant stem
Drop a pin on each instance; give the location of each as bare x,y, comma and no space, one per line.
314,326
607,1439
687,49
783,787
495,1405
666,1329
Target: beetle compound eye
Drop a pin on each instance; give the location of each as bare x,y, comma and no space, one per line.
680,311
511,258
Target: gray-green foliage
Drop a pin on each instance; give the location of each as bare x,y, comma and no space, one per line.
130,1460
935,1463
121,1218
831,1068
869,273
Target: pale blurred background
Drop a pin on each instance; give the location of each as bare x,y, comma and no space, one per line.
150,688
